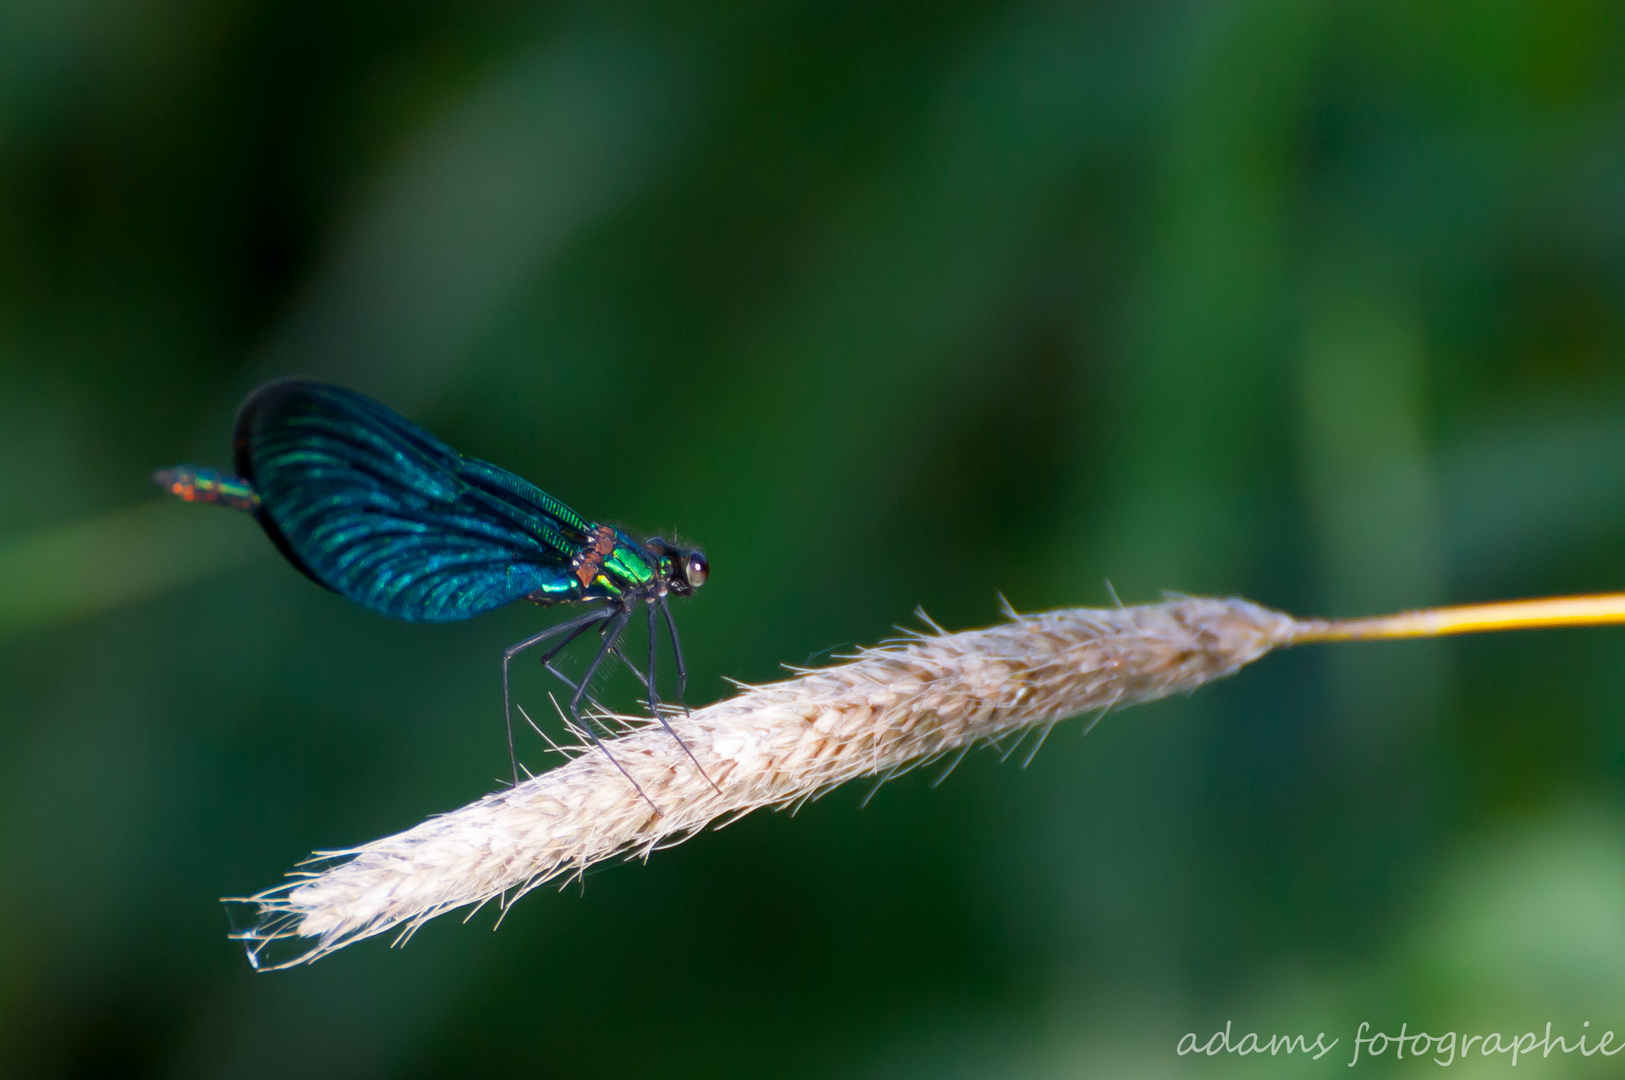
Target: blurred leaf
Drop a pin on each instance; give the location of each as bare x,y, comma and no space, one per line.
78,570
543,148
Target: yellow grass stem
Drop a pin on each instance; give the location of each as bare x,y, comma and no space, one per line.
1600,610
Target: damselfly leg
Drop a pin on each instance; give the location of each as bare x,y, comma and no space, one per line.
572,627
654,697
649,685
676,648
617,619
612,623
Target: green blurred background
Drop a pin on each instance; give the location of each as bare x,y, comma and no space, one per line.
887,305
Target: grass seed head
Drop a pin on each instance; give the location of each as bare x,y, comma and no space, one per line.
884,711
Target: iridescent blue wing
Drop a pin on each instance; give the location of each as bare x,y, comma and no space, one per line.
370,505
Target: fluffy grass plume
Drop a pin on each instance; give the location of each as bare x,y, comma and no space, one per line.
886,710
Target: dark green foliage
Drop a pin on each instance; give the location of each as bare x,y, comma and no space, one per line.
1321,304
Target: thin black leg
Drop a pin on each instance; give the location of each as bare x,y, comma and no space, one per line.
653,689
676,648
588,698
654,707
643,680
547,662
547,657
573,627
654,695
612,636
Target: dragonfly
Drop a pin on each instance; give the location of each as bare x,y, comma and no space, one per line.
364,502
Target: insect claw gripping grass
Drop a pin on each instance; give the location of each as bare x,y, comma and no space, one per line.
885,710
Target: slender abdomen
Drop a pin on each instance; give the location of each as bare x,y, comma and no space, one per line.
193,483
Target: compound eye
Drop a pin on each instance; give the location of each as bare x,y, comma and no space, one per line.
695,569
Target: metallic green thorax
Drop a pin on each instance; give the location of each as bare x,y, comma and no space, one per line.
628,564
610,566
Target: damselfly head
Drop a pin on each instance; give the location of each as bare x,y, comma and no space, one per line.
684,569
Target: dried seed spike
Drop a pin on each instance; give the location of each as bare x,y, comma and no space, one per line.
901,703
897,705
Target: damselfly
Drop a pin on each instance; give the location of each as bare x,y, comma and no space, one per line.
366,503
